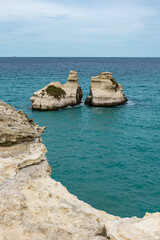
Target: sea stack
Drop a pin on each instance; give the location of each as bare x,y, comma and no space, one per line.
34,206
56,95
105,91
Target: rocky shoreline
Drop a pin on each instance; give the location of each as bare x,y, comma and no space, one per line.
34,206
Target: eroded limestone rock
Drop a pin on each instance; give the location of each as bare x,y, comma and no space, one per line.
105,91
55,95
16,127
34,206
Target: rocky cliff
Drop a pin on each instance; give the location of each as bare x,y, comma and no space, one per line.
55,95
105,91
34,206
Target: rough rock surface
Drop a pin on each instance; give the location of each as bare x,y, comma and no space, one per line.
16,127
55,95
105,91
34,206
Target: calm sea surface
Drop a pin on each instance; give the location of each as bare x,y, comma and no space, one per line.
108,157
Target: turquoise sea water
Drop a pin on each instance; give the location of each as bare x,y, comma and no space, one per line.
108,157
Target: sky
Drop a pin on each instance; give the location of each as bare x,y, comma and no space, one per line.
80,28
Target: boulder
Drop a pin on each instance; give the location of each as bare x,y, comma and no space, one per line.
56,95
105,91
35,206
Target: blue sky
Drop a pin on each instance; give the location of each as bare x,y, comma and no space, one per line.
72,28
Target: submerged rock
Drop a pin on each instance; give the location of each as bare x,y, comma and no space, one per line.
34,206
55,95
105,91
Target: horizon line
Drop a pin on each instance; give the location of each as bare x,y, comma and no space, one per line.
69,57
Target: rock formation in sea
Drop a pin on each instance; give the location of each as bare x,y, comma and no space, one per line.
56,96
105,91
34,206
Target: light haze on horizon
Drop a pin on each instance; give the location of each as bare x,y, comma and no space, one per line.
79,28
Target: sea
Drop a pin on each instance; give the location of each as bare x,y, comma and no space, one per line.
107,157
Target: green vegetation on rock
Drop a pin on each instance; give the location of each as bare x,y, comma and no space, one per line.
6,144
56,92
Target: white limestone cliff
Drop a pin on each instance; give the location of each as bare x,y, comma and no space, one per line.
56,96
34,206
105,91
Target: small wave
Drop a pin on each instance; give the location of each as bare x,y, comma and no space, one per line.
130,103
77,106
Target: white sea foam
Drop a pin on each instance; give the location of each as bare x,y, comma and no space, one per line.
130,103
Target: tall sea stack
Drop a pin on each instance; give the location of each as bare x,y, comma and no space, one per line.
55,95
105,91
